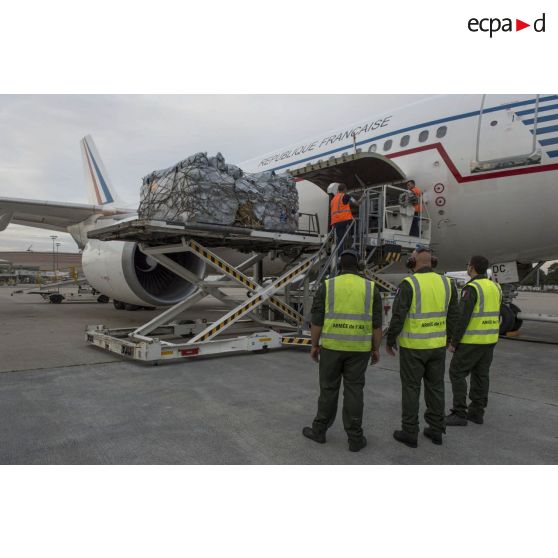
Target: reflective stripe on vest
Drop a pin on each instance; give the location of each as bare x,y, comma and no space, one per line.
484,325
425,324
348,314
340,211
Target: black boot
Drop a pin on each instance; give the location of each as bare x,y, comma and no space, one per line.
357,445
313,435
475,417
406,438
435,436
454,419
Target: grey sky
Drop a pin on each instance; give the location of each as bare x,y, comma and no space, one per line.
135,134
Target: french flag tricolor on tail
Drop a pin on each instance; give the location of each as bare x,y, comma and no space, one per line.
100,191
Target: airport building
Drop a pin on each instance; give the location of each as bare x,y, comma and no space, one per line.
32,267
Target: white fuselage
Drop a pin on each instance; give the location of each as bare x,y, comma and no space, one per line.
506,212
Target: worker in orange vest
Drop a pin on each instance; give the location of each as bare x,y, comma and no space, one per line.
414,189
340,212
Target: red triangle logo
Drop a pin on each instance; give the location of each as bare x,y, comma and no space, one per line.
519,25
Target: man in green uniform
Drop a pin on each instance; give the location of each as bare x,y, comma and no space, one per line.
473,342
346,334
424,307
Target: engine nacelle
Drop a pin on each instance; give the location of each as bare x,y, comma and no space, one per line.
121,271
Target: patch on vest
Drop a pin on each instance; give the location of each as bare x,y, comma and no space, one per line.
347,326
433,324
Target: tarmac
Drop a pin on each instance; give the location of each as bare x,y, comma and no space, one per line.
65,402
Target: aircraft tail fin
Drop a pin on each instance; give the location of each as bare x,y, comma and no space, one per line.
100,189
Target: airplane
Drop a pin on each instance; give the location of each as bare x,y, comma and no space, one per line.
487,165
116,269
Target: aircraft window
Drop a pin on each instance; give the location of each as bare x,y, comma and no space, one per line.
387,145
372,148
423,136
494,123
405,140
441,131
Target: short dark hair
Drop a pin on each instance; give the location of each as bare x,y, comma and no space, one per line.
348,261
409,182
342,187
480,263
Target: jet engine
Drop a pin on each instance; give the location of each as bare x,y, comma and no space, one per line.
125,274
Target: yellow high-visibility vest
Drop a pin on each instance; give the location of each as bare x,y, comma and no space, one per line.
484,325
425,324
348,314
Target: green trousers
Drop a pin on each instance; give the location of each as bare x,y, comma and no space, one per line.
416,366
474,360
351,366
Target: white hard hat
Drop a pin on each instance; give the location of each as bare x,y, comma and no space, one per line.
333,188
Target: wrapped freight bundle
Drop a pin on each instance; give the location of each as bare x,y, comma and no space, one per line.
202,189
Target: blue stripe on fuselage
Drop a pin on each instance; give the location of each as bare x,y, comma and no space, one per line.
532,111
545,130
549,141
416,127
546,118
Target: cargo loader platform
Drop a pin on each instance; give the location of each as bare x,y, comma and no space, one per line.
162,338
210,235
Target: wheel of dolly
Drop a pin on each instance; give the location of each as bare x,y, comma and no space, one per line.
103,299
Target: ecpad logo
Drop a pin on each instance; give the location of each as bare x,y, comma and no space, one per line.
494,24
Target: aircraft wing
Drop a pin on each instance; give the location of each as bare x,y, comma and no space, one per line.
56,216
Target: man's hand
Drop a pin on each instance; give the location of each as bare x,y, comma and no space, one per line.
391,350
374,356
451,348
315,353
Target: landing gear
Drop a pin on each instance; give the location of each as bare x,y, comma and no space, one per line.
517,323
119,305
507,319
509,322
